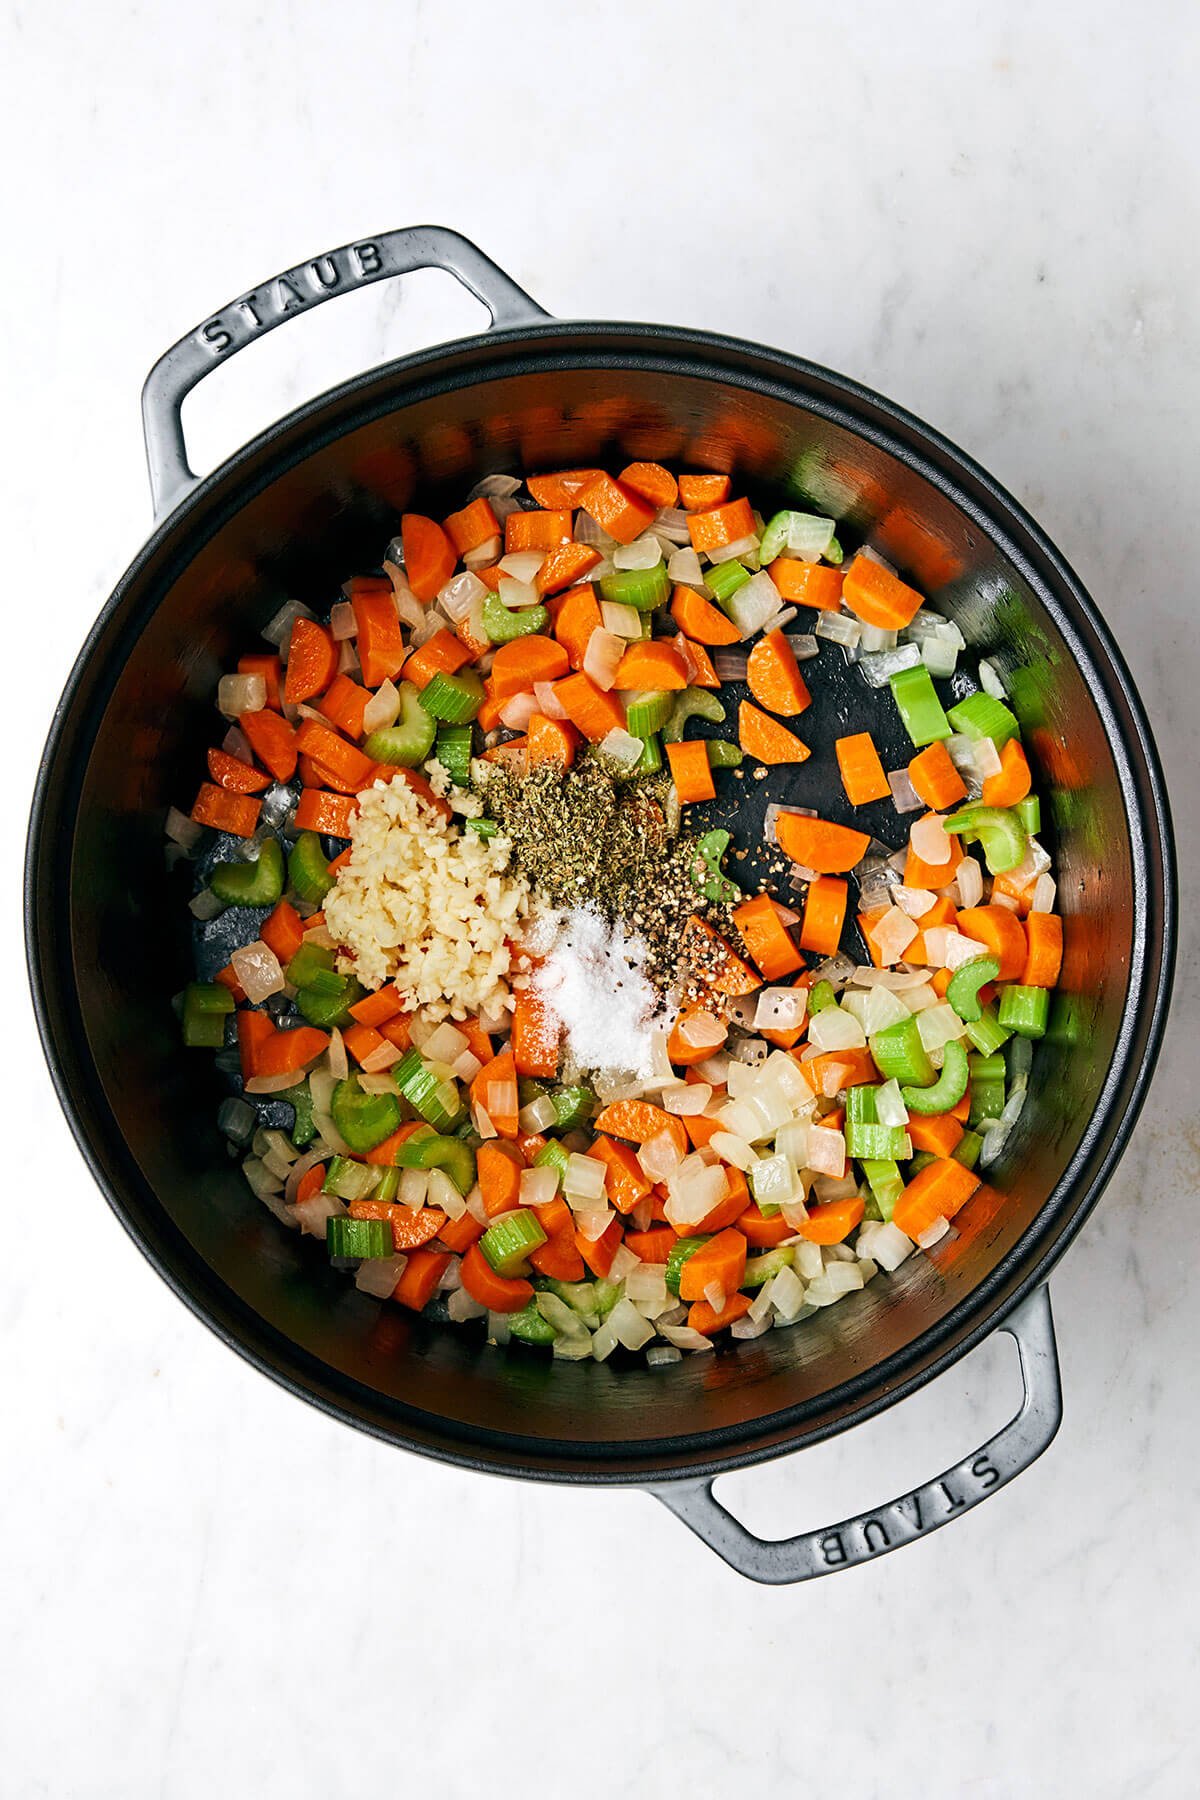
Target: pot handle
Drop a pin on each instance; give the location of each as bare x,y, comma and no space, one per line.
273,302
913,1515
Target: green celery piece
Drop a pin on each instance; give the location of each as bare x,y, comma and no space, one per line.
308,869
1024,1010
999,830
692,703
327,1010
920,709
1029,811
530,1327
949,1087
410,740
900,1054
967,1149
646,711
348,1179
821,997
453,751
580,1296
760,1269
309,961
572,1106
982,716
453,698
607,1294
387,1186
363,1119
986,1032
878,1143
989,1067
987,1101
886,1184
804,534
552,1156
963,989
429,1149
706,873
643,589
508,1242
358,1237
258,883
299,1098
722,754
834,554
862,1104
724,579
206,1006
484,828
426,1091
651,759
502,623
920,1161
680,1251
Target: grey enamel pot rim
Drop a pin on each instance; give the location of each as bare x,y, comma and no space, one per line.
315,496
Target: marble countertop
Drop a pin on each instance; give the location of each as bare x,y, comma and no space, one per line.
986,215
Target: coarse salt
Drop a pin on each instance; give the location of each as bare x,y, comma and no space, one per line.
592,978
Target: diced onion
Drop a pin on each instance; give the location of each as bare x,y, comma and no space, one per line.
501,1098
538,1186
522,565
892,934
623,621
702,1030
660,1156
644,552
780,1009
933,1233
930,840
730,665
548,703
602,657
743,546
383,708
517,594
483,555
496,487
621,747
1045,892
238,694
538,1115
516,712
182,830
835,1029
685,1099
916,902
278,630
826,1153
904,795
684,567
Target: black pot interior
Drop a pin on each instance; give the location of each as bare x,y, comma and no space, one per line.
320,498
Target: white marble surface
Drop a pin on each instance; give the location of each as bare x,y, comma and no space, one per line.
986,212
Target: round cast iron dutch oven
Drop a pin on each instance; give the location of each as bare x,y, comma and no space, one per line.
315,497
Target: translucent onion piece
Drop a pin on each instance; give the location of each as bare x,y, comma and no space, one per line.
496,487
1045,892
522,565
336,1058
684,567
700,1030
930,839
730,665
278,630
238,694
383,708
517,594
685,1099
623,621
618,745
826,1152
483,555
602,656
548,703
644,552
516,713
780,1009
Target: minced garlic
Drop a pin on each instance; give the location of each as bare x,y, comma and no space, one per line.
426,905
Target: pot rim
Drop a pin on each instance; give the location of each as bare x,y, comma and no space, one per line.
994,512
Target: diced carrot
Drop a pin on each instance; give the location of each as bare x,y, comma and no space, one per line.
766,739
526,660
312,662
717,526
697,662
535,1035
429,560
478,1041
498,1170
310,1183
653,1246
494,1291
720,1262
422,1272
341,860
700,1129
638,1121
729,1207
271,670
335,756
330,814
818,844
824,915
499,1072
273,741
656,485
411,1227
564,566
344,706
1003,934
691,771
651,663
921,874
228,978
287,1052
472,526
616,509
591,710
562,489
860,768
711,958
625,1181
701,620
459,1234
1043,961
1013,781
282,932
807,584
877,596
763,1234
834,1070
383,1156
578,617
377,1008
598,1253
787,1040
544,530
939,1133
935,1192
234,775
703,1319
934,776
491,577
702,491
234,813
361,1041
766,938
683,1055
774,677
443,653
551,741
557,1257
254,1029
831,1223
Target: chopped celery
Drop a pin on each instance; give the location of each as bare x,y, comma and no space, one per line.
1025,1009
878,1143
309,961
329,1009
920,1161
502,623
862,1107
947,1090
760,1269
358,1237
530,1327
484,828
963,989
363,1119
804,534
508,1242
692,703
453,698
572,1106
429,1149
258,883
987,1101
886,1184
206,1006
722,754
580,1296
986,1032
982,716
920,709
308,869
724,579
986,1067
999,830
706,871
643,589
647,710
606,1293
409,741
681,1249
967,1149
435,1099
299,1098
834,554
651,759
348,1179
899,1053
453,751
1029,811
553,1156
821,997
387,1186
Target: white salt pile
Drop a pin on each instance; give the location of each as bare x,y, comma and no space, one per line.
592,977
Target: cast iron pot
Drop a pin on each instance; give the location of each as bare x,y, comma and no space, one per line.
316,496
